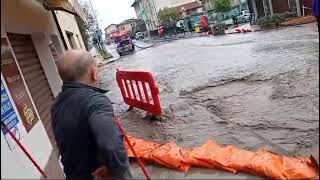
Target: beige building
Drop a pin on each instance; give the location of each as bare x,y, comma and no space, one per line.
31,40
70,30
112,28
128,25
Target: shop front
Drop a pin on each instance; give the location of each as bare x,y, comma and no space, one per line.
30,45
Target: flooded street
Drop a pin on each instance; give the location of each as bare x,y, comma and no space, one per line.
254,90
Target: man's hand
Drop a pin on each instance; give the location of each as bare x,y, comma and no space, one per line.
102,173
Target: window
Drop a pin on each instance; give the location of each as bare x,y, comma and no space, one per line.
70,39
79,42
53,51
56,44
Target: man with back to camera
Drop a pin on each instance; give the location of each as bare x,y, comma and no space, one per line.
83,123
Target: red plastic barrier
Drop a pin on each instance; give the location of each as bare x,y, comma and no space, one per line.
238,30
244,30
139,90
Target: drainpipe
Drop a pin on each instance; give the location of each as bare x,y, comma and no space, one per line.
298,7
271,7
59,29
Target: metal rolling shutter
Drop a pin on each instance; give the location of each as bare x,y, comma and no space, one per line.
36,80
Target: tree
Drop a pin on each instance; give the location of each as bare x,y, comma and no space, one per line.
221,5
87,28
84,34
90,31
169,15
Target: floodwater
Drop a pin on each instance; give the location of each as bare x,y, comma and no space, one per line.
253,90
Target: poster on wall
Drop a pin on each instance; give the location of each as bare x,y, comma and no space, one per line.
9,117
16,86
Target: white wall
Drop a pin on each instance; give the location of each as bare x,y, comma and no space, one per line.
16,165
41,44
68,22
111,29
151,11
160,4
29,17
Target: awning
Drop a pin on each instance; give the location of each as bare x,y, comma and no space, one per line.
135,1
61,5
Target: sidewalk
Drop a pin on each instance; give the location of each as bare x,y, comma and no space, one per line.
299,20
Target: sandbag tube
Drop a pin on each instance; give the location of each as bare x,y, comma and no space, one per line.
227,158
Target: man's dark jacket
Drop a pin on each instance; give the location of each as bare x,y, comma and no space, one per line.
86,133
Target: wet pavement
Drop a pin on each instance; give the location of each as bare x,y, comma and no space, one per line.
253,90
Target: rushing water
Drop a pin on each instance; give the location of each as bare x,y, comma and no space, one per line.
251,90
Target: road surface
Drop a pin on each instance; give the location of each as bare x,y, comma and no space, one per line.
252,90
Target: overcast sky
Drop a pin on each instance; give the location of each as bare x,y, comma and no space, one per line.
113,11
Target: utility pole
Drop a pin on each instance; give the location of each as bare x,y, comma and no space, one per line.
149,29
93,12
98,32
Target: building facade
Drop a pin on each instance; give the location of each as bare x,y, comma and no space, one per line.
31,41
270,7
128,26
70,30
207,5
239,4
112,28
147,10
190,8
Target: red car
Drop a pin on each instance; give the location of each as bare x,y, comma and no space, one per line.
123,42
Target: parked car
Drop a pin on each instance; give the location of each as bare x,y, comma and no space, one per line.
227,22
243,16
139,35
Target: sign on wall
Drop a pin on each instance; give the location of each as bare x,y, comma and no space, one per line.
17,88
10,117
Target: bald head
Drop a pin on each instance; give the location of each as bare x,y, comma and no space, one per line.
75,65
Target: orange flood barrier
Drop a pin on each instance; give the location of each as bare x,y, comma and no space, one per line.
227,158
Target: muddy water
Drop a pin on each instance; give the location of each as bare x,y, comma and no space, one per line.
250,90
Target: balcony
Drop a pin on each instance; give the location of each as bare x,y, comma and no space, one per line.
70,6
